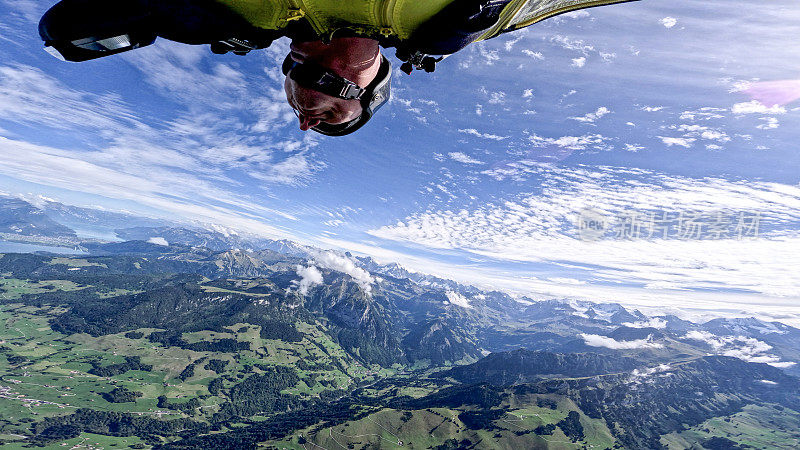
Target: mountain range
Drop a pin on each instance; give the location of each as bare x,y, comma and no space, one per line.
264,342
460,321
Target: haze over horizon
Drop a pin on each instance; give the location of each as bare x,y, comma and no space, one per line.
477,172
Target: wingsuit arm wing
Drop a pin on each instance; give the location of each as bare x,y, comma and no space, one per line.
464,22
81,30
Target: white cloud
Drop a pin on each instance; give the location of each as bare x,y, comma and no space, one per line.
176,71
704,114
633,147
697,306
714,135
771,123
184,161
695,132
509,44
742,347
464,158
309,276
737,85
679,142
457,299
563,280
608,57
576,14
654,322
496,98
295,170
568,43
756,107
30,10
540,228
489,56
528,93
592,117
332,261
476,133
669,22
158,241
569,142
585,49
534,55
652,108
595,340
644,373
689,128
176,195
29,96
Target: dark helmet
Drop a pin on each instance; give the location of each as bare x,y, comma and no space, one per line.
372,97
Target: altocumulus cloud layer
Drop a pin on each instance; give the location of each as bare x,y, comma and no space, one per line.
542,227
476,172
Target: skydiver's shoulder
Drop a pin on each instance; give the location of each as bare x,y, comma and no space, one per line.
457,25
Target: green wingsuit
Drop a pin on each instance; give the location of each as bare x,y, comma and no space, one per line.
88,29
400,18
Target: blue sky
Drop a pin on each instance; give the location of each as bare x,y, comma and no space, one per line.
477,172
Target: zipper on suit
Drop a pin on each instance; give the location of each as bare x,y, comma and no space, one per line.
296,10
384,13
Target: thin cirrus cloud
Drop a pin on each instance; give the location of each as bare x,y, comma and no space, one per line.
193,154
192,141
179,165
182,195
28,95
541,228
464,158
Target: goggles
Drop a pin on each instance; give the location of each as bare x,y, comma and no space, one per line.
372,97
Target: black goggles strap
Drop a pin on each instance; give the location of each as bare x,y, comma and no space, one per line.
314,77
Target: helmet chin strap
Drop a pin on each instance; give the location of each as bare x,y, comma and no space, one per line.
318,78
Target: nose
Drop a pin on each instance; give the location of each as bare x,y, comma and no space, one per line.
307,123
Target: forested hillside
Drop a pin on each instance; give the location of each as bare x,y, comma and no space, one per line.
148,345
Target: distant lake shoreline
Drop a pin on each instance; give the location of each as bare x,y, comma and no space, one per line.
18,247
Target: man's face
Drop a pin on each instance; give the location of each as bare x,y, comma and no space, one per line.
313,107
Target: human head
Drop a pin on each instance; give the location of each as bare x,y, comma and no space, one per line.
355,59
